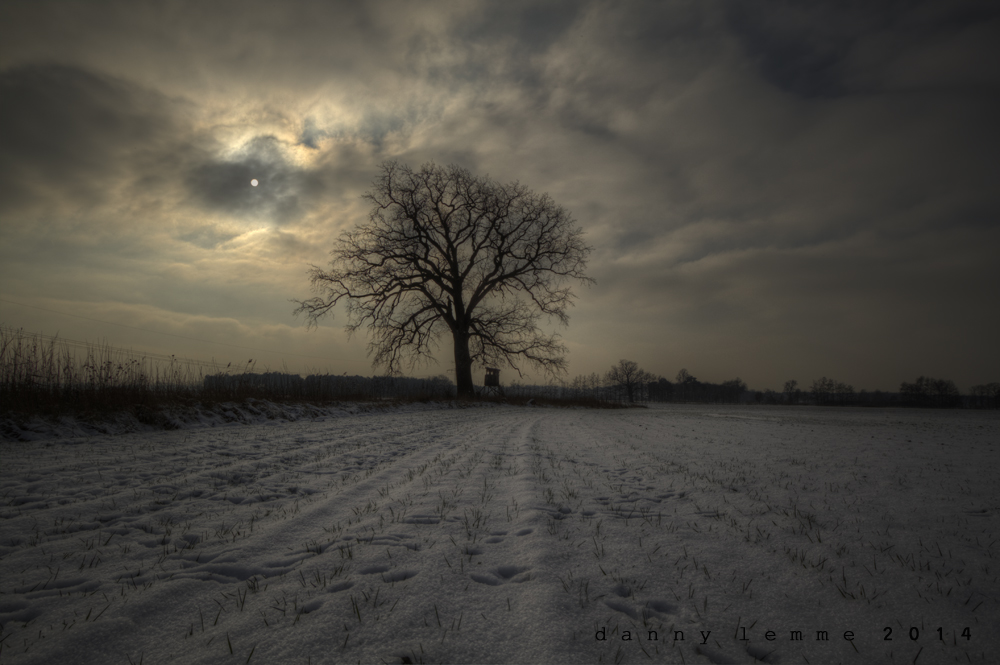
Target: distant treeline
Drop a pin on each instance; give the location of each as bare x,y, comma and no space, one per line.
626,382
925,392
326,387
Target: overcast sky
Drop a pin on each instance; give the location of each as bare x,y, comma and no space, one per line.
773,190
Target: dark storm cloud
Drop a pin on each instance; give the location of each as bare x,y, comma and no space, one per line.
533,26
281,195
65,131
810,49
800,47
71,136
745,162
506,38
311,135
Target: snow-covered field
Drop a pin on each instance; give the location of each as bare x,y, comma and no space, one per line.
500,535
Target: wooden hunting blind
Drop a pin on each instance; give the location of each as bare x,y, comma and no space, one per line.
491,385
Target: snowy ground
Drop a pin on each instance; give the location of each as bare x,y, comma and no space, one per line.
500,535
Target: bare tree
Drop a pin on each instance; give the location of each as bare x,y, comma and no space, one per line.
447,251
927,391
684,377
791,391
627,376
986,395
733,390
686,383
822,389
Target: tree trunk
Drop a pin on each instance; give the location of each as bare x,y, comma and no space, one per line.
463,366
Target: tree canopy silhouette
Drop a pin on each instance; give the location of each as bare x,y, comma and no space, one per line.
627,376
445,251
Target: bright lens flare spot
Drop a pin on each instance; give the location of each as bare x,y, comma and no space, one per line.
254,182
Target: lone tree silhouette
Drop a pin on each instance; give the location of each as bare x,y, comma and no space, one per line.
447,251
627,376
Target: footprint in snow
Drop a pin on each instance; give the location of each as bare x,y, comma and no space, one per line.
397,539
502,575
524,532
624,608
422,519
655,608
189,540
621,590
341,586
560,513
485,579
763,655
311,606
511,572
398,575
288,562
